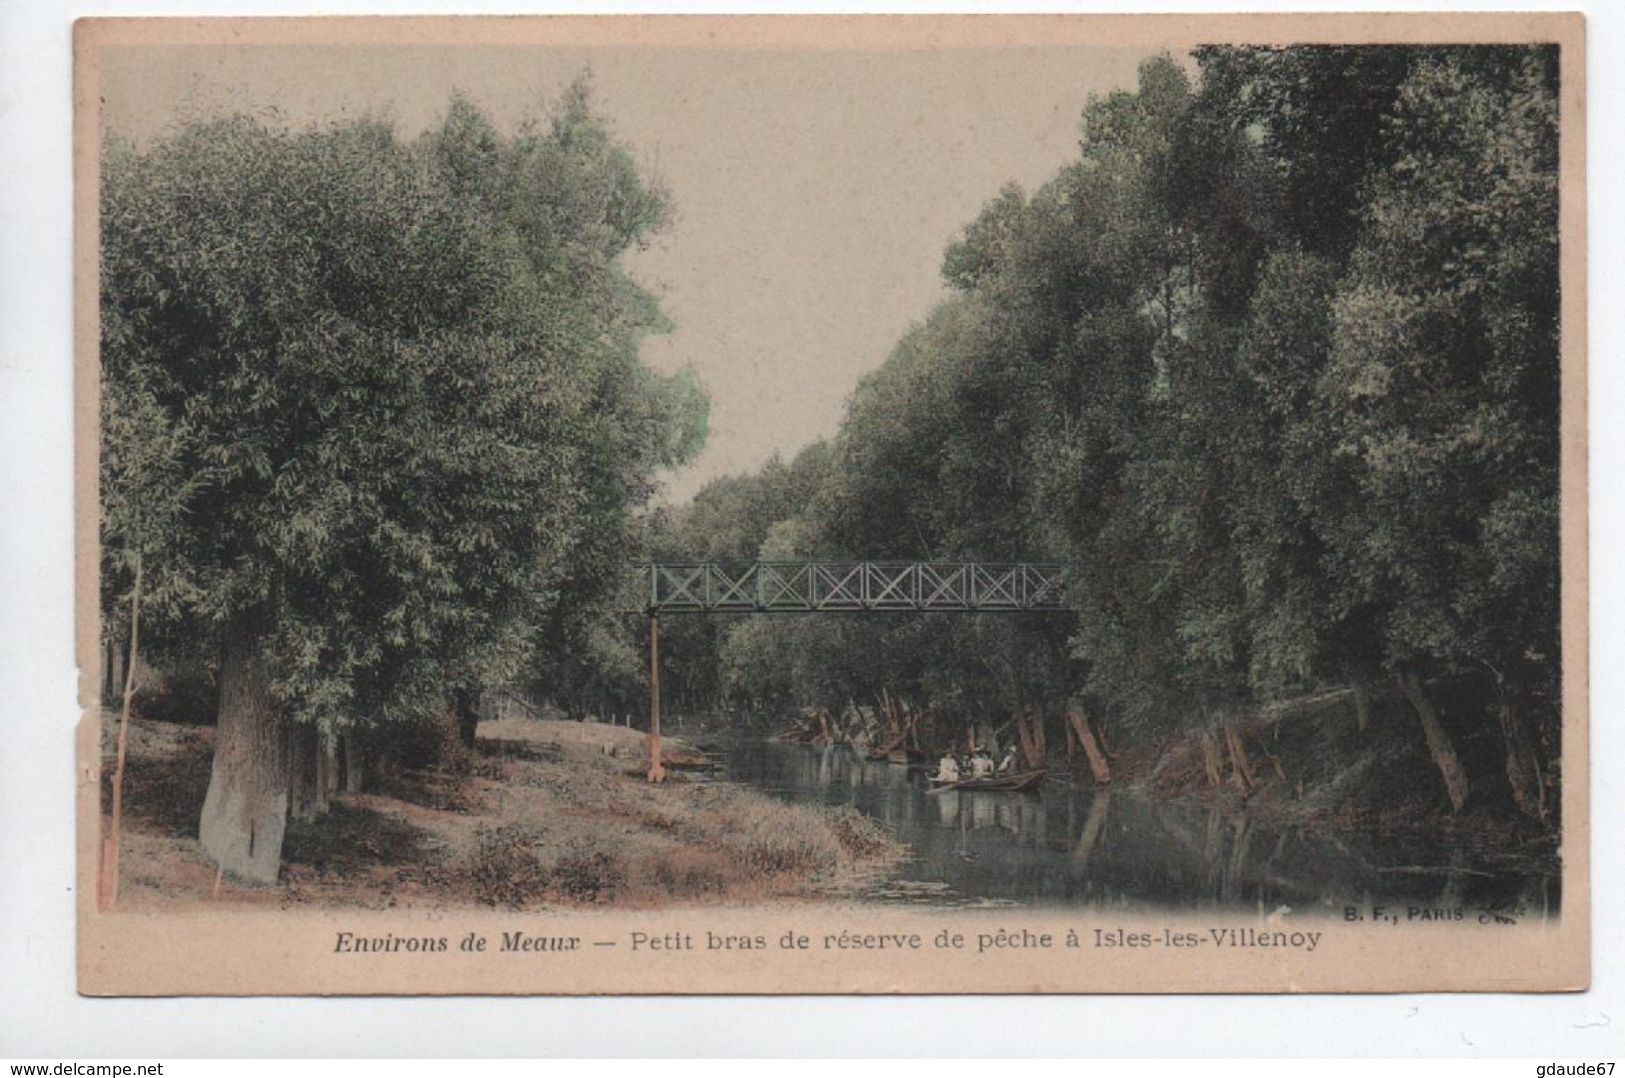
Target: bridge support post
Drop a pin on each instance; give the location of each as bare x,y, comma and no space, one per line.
657,771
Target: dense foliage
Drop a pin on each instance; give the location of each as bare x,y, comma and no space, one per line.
1273,362
373,408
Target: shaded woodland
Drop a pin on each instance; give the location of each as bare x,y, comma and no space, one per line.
1273,363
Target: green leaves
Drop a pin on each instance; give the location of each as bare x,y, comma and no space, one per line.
386,393
1274,363
1444,378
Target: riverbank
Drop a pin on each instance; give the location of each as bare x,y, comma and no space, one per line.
1317,763
548,816
1313,762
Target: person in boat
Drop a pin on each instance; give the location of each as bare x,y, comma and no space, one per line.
947,768
1007,765
981,765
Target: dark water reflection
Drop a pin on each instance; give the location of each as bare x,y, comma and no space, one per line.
1073,845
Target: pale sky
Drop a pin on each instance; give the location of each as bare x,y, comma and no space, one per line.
815,189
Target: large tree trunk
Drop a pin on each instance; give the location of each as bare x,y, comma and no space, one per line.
303,781
1032,749
889,713
1078,723
1440,747
1241,768
354,772
1210,759
327,773
313,772
465,704
1362,705
1523,771
246,808
113,672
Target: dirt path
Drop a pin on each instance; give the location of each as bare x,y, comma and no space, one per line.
548,816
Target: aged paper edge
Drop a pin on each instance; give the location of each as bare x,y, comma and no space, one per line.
210,952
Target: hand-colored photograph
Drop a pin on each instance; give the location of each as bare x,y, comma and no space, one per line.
617,479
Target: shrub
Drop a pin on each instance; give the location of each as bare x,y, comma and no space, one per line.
507,868
689,873
585,874
859,835
771,844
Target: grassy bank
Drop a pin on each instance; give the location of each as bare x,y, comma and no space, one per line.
548,816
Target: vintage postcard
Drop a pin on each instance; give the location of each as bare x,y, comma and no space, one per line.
832,504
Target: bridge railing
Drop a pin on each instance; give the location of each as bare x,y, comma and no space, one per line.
790,587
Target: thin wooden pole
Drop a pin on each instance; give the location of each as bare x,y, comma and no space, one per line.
657,771
111,853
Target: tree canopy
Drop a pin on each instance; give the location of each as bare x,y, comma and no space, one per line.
1273,363
373,406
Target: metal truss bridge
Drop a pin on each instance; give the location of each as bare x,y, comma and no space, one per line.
769,587
791,587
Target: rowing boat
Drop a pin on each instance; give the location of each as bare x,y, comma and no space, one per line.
1027,780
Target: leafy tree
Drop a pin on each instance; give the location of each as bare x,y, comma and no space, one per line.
401,383
1274,361
1443,386
1317,114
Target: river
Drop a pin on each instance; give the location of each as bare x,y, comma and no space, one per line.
1075,845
